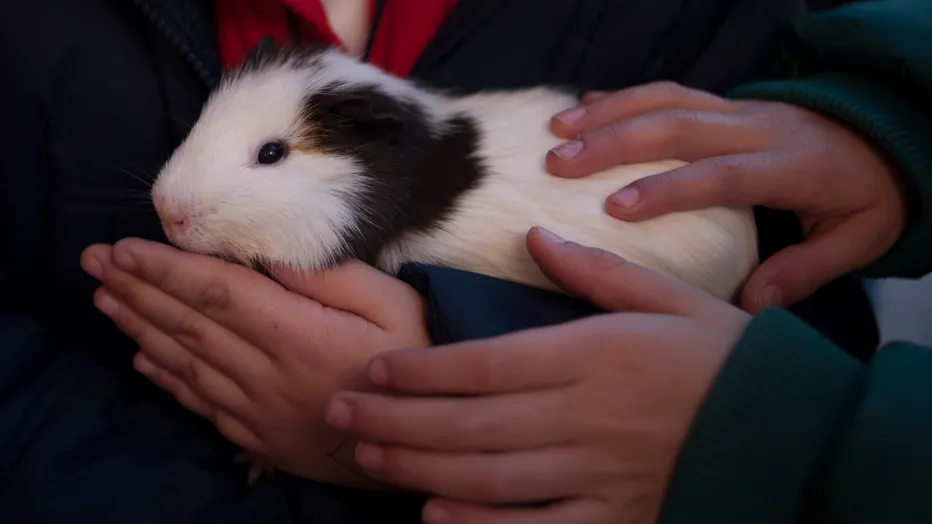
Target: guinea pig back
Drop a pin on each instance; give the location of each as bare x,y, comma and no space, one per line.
307,157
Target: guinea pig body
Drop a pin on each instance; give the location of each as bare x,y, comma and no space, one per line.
305,158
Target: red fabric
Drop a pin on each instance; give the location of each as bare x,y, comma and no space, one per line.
406,27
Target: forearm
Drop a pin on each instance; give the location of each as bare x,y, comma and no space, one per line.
795,429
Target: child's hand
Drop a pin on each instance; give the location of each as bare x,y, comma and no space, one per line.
590,414
744,153
257,359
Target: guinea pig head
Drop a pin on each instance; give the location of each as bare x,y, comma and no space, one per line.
285,165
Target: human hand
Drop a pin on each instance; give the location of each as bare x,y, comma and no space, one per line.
743,153
588,416
257,359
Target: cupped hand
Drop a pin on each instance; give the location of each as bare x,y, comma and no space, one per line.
257,358
586,417
743,153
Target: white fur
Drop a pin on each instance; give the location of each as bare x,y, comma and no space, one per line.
293,213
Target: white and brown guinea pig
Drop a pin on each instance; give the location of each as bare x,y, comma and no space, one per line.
309,157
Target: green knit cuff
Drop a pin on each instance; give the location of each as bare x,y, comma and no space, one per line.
899,125
758,441
881,471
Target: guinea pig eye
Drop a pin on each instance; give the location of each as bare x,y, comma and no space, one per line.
272,153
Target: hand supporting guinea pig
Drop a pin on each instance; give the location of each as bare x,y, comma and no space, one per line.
588,415
744,153
257,359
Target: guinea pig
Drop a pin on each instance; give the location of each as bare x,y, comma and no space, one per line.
307,157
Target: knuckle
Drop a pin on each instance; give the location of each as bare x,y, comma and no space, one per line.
677,128
727,175
193,373
488,372
127,293
667,88
612,141
654,186
131,325
215,296
188,328
396,464
495,486
236,433
599,264
602,261
475,423
680,122
192,402
766,117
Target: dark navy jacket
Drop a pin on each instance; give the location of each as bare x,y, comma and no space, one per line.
95,88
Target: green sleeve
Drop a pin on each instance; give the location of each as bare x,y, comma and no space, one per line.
869,65
794,430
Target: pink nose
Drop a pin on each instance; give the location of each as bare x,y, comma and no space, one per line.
175,221
172,220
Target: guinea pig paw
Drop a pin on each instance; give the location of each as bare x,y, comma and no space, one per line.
258,466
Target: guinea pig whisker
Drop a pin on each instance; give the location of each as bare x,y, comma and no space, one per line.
140,202
182,122
148,183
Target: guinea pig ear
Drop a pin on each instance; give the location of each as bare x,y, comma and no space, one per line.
369,118
267,50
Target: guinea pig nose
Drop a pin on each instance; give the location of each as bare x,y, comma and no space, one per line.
176,221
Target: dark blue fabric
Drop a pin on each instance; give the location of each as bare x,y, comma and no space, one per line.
466,306
96,88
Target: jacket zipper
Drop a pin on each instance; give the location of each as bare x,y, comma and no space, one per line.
203,72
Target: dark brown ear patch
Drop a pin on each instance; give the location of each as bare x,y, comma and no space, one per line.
358,117
365,119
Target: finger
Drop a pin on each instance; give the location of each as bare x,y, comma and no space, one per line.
511,477
578,510
492,423
740,180
163,314
602,110
797,271
230,424
526,360
92,259
240,299
665,135
611,282
173,385
166,354
359,289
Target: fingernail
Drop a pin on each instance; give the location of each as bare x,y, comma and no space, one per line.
94,268
550,236
369,456
571,116
124,259
143,364
106,304
770,296
378,372
339,414
435,514
569,150
627,197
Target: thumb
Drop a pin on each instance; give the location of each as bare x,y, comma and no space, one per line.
356,288
610,281
798,271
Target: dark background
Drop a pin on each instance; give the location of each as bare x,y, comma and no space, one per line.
817,5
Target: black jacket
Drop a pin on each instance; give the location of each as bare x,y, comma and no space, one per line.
96,95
